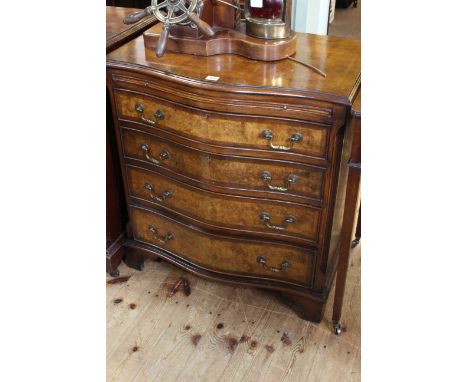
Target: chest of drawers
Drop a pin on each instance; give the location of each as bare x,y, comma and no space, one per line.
241,180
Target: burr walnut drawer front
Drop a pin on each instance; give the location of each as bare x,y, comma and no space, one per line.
226,211
224,254
226,173
268,134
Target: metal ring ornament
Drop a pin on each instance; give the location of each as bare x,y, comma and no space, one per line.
166,11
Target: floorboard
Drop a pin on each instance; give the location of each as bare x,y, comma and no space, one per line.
223,333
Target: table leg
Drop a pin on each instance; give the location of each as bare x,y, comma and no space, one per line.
357,235
351,201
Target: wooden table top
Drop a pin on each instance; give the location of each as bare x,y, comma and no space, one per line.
339,58
356,109
117,33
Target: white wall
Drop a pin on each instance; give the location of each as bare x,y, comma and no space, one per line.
310,16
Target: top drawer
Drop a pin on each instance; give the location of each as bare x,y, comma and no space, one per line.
271,136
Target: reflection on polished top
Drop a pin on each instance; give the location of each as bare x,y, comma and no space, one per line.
117,32
339,58
114,17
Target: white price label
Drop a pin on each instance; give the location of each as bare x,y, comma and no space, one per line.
212,78
256,3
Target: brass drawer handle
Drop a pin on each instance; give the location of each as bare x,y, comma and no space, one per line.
162,239
140,109
166,194
163,155
262,260
268,135
265,217
290,180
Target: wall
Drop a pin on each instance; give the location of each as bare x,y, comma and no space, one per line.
310,16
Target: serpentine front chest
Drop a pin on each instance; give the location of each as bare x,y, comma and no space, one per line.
236,169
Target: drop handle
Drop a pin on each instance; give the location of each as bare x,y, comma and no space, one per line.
262,260
166,194
265,217
289,180
163,155
268,135
159,114
161,239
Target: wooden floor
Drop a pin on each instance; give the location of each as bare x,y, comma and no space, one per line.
347,22
223,333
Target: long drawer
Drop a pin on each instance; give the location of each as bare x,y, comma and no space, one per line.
273,135
227,173
241,213
224,254
248,102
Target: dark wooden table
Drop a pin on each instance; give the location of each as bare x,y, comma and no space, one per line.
117,34
350,209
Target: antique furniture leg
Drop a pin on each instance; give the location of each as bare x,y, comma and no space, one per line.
346,235
307,309
134,259
117,34
115,204
357,235
114,254
349,214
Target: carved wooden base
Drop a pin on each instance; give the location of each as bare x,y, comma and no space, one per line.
225,41
114,254
307,309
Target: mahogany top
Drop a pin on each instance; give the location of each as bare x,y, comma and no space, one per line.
339,58
117,33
